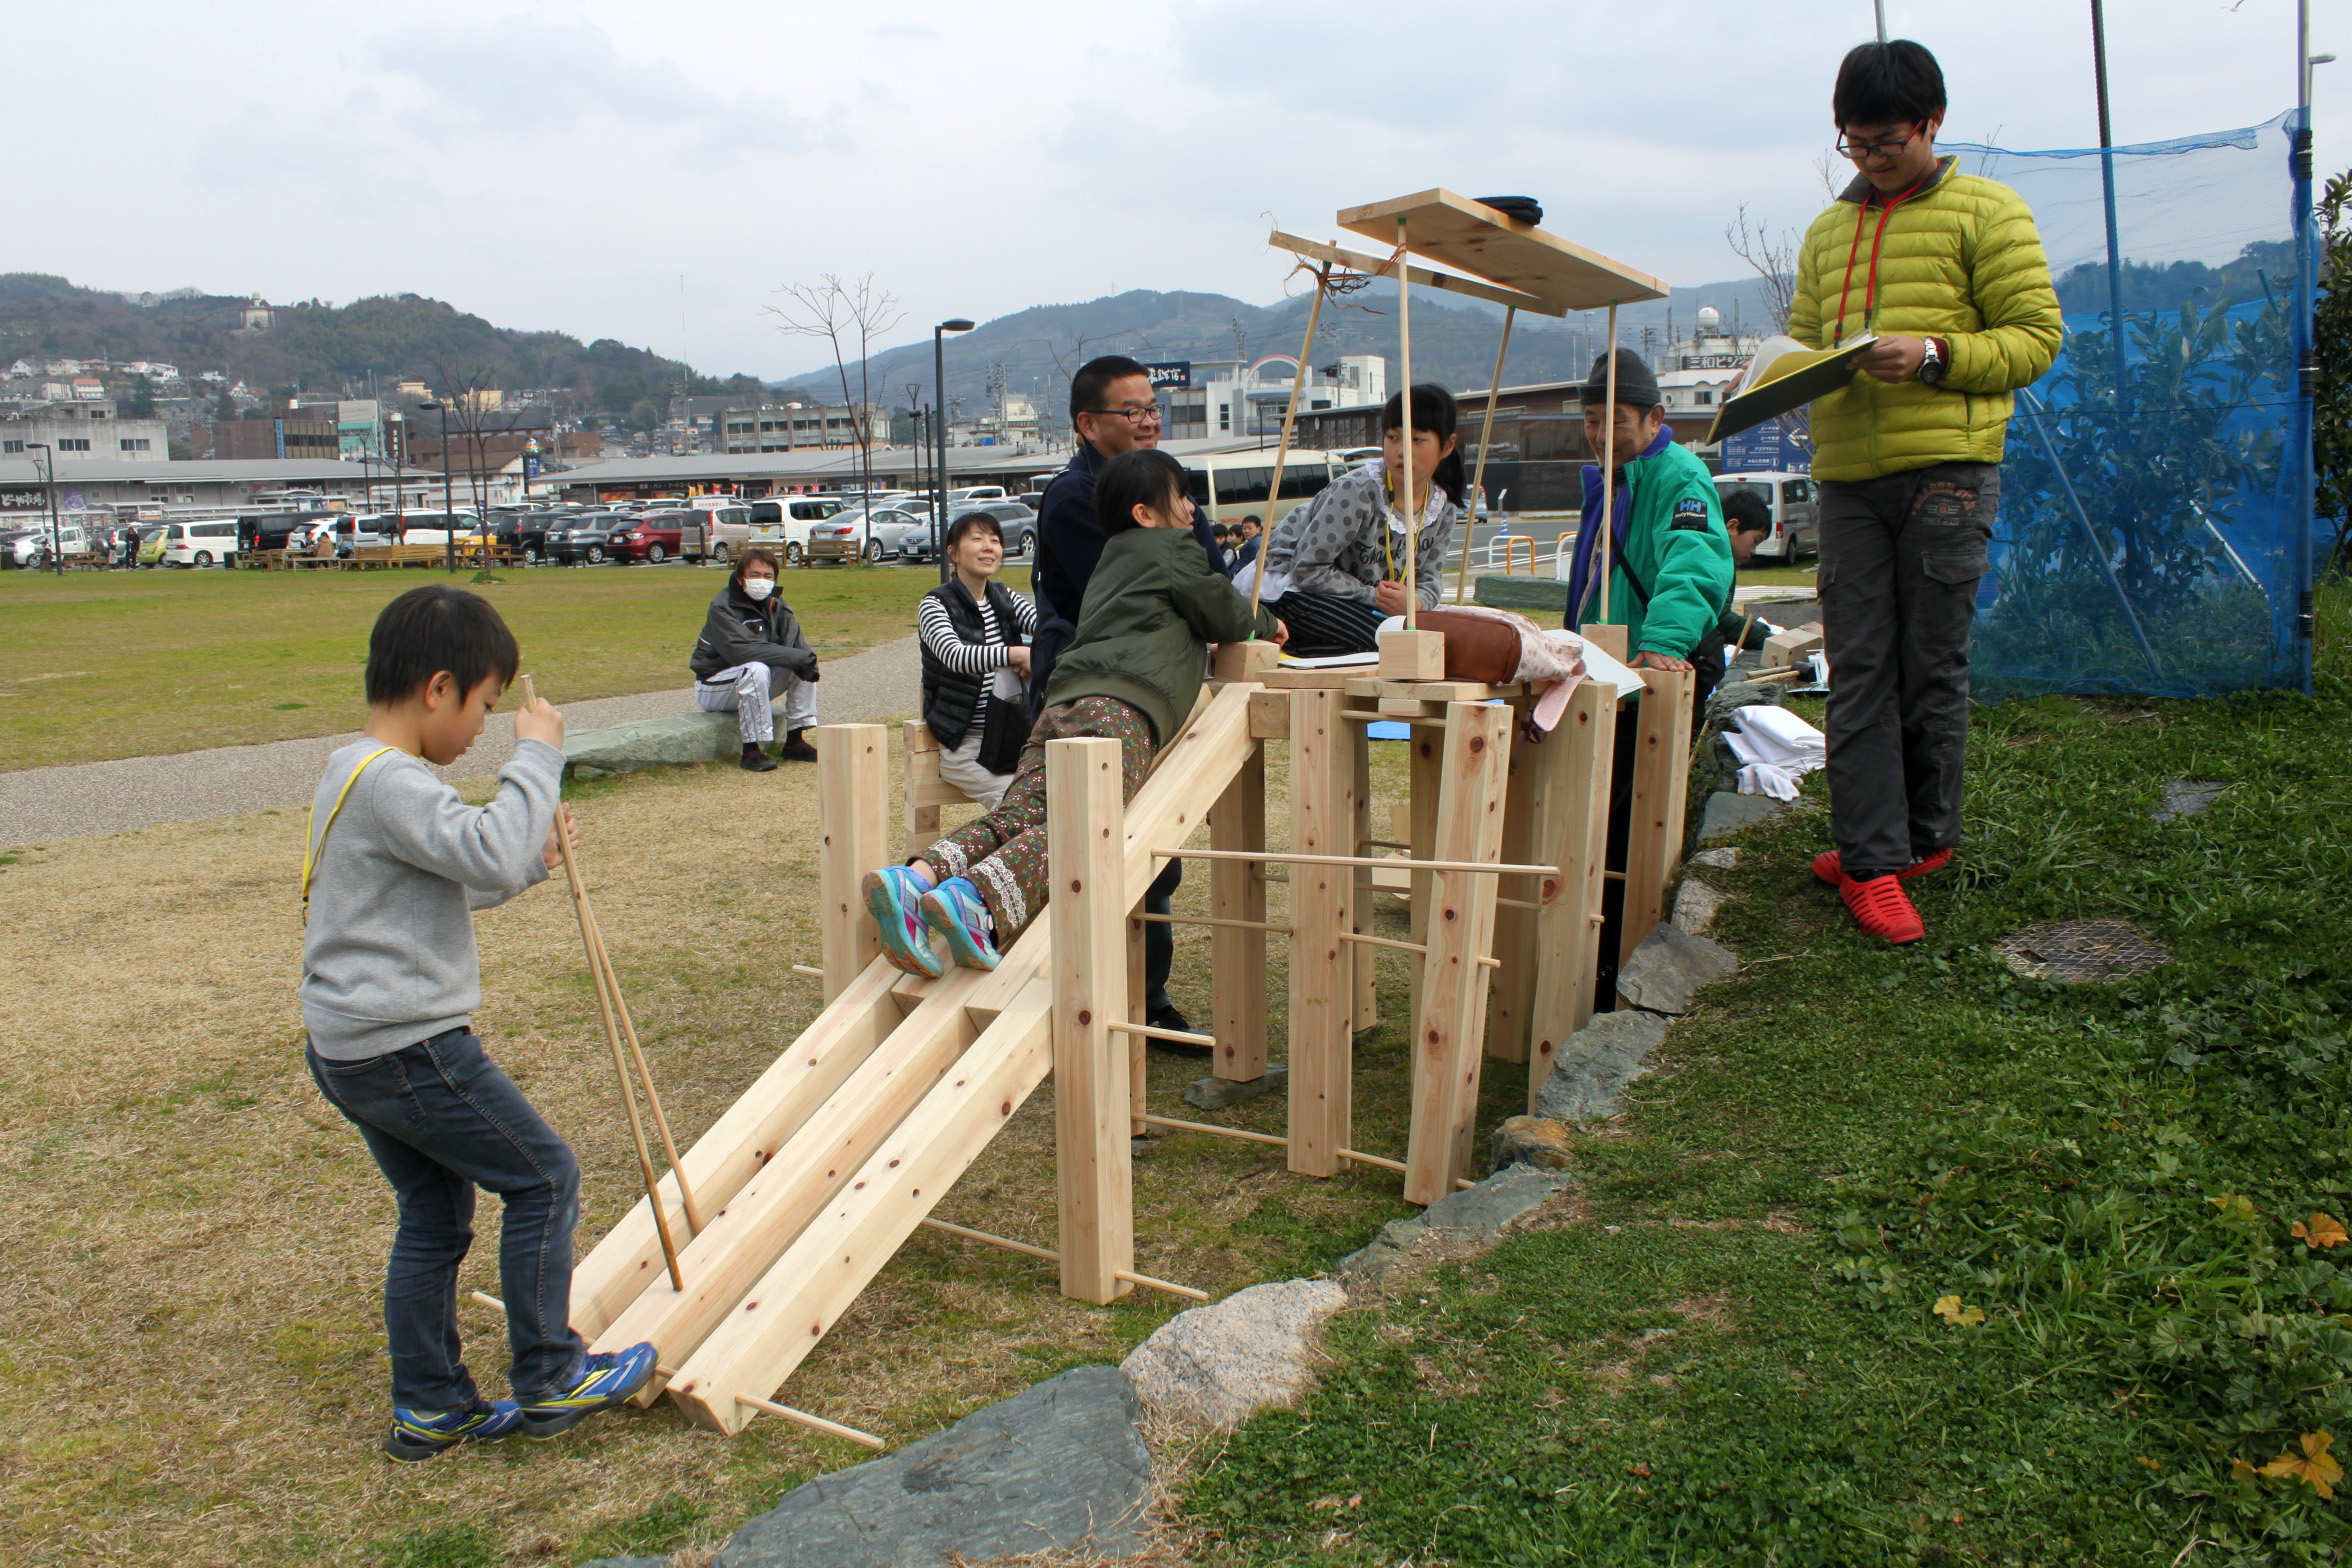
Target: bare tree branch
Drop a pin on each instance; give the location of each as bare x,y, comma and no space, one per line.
837,311
1773,256
461,394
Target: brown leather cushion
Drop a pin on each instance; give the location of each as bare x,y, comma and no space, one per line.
1478,648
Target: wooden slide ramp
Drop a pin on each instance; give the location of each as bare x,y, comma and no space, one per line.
811,1181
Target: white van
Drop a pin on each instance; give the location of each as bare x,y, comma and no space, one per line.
720,529
1796,511
781,522
212,542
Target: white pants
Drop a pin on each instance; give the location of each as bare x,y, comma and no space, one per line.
961,766
749,691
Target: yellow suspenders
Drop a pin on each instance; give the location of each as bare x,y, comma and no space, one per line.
312,846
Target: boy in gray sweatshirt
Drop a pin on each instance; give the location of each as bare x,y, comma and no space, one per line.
393,869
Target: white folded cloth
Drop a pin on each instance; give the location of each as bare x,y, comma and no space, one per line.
1775,749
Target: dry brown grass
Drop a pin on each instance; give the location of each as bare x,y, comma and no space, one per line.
194,1365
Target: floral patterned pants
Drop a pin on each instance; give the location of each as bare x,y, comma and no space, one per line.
1003,853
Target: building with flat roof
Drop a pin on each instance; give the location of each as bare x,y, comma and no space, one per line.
188,488
84,432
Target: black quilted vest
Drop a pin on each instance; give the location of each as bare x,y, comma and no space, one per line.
952,700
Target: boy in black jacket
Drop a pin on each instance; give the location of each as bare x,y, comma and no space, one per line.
751,652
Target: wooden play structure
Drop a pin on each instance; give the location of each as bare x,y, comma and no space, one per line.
807,1185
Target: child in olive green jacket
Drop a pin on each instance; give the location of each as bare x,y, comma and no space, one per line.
1131,673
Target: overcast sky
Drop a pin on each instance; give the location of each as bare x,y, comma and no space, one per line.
560,166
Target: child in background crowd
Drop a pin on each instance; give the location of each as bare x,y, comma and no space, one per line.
1131,673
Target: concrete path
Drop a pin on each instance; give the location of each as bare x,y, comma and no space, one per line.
42,805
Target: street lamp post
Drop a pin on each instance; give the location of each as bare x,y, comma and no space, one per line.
49,484
448,492
939,412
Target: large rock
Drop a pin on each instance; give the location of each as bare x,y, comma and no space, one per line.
1735,694
655,743
1058,1466
2187,797
1531,1140
1668,969
1216,1094
1727,813
1368,1268
1695,906
1216,1366
1593,1065
1480,1211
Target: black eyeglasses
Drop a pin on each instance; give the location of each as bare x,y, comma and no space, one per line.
1857,151
1149,415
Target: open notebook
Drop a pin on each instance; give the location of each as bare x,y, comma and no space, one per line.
1784,376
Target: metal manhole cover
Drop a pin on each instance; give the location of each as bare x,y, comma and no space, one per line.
2076,950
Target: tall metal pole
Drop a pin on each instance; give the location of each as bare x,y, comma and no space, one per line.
2107,188
448,497
2306,355
939,451
49,484
1880,7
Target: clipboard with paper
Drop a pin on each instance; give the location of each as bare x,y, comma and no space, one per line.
1783,377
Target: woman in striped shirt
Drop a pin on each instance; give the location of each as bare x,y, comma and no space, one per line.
975,636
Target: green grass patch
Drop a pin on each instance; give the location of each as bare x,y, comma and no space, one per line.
98,665
1740,1358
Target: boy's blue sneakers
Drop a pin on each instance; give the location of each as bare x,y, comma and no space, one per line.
893,895
954,910
606,1379
420,1434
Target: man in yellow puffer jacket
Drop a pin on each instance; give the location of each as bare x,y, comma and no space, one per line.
1947,270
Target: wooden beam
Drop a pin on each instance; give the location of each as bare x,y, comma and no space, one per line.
1661,781
1385,267
1446,1043
1237,893
1364,1003
1138,1050
1422,753
853,804
784,1311
1092,1179
1571,801
1322,898
922,776
1512,994
1475,238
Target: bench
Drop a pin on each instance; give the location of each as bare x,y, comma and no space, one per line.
398,555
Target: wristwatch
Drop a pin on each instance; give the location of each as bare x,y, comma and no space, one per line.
1933,362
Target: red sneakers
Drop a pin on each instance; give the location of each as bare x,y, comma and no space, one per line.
1825,865
1882,909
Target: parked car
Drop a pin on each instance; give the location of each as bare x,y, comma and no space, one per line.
435,528
652,537
588,541
857,535
351,532
1796,513
716,533
782,522
210,542
976,494
32,547
273,530
1016,522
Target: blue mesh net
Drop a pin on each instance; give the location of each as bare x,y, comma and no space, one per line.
2159,541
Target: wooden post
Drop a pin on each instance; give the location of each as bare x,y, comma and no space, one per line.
1494,391
926,791
1422,766
1461,927
1086,847
1661,783
1138,1059
1323,821
1571,802
1405,393
1512,991
1364,1011
853,804
1237,957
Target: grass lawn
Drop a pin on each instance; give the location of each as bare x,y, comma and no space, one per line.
1901,1257
97,665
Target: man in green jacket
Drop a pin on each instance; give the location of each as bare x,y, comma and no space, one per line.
1947,270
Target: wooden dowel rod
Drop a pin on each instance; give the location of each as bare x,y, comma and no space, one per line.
1209,920
1285,857
848,1434
492,1302
1516,903
661,1120
1148,1032
1405,410
1494,391
1006,1242
1410,947
1373,1159
813,974
1608,460
1186,1291
1382,843
1243,1134
1289,421
1614,876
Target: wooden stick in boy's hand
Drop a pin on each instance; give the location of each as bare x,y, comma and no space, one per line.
539,718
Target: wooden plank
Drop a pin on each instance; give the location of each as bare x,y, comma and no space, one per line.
742,1141
1323,820
1425,749
767,1211
1446,1044
1364,1005
1280,679
1092,1179
922,769
1385,267
1571,802
853,804
1237,891
784,1313
1138,1046
1471,237
1661,780
1512,990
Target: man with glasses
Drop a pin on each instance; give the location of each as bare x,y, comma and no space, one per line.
1113,409
1946,269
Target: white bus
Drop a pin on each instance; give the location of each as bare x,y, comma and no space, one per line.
1228,486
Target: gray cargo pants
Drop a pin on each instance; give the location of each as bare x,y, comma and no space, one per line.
1900,559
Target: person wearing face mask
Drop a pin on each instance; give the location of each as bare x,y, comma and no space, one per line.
752,652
